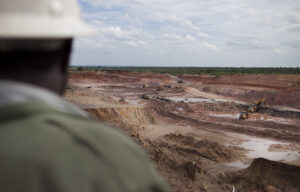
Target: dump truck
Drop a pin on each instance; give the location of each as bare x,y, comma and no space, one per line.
145,96
244,115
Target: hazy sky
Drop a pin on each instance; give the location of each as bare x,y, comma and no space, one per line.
238,33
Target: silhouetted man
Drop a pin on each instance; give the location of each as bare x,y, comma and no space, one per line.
47,144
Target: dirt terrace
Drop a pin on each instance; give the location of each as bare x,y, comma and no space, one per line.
190,125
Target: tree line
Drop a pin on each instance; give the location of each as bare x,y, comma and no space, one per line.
196,70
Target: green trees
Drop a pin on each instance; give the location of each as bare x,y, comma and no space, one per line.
216,71
80,68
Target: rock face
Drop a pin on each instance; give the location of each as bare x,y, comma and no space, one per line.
264,175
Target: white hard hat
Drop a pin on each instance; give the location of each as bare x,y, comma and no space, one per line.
41,19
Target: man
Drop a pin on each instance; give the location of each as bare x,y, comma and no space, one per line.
47,144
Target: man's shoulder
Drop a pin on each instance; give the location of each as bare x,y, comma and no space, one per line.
40,122
76,145
103,137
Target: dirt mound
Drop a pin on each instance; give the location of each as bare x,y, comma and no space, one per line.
184,161
263,175
130,119
204,148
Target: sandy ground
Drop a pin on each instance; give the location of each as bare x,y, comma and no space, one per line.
190,125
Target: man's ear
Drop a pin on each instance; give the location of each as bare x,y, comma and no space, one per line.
66,56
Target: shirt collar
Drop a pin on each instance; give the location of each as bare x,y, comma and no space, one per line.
12,92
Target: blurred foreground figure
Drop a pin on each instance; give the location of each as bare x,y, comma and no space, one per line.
47,144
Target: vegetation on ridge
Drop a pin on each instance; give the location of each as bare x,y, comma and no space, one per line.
197,70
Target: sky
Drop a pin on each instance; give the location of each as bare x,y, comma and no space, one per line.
201,33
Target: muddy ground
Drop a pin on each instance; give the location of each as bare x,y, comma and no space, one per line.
190,127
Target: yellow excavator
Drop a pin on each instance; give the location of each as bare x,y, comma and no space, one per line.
253,108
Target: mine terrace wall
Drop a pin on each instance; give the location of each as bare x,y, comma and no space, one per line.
279,113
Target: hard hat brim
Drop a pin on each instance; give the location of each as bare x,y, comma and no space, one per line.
44,27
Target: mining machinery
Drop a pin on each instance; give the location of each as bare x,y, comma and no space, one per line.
253,108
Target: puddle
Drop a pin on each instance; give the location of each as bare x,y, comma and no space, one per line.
237,164
260,148
196,100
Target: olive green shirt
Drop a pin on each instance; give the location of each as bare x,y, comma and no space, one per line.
49,149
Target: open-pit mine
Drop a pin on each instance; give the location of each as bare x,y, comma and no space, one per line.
203,132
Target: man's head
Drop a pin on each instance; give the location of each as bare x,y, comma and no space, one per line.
35,61
36,40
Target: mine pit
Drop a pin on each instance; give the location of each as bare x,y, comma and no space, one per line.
192,126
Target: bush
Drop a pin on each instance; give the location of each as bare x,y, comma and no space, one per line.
80,68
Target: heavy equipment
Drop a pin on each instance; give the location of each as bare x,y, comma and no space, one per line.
253,108
244,115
